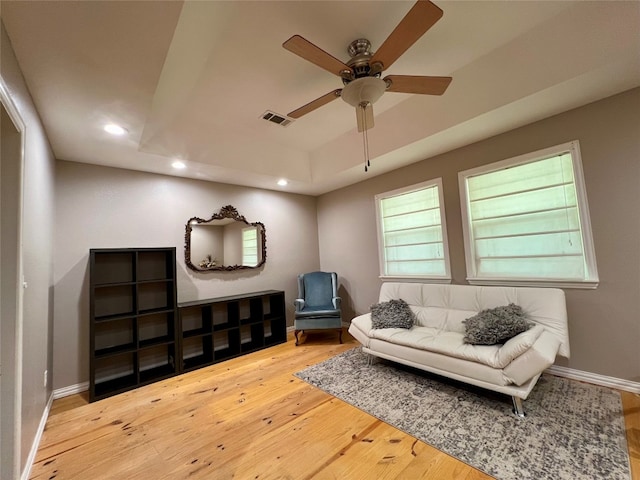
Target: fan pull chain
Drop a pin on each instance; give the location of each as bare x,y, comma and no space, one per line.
365,138
365,141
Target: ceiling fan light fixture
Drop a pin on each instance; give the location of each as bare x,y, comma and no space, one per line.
363,90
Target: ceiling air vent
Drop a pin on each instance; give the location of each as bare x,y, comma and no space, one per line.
273,117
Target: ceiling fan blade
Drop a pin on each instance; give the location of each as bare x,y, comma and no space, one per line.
307,50
417,84
317,103
415,23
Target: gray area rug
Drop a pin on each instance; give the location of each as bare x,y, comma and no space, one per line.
572,431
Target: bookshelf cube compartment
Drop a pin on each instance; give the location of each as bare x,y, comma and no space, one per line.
273,306
114,336
154,265
196,352
244,310
113,300
233,313
156,362
251,337
155,296
275,331
250,311
195,320
112,268
156,328
224,315
226,344
114,374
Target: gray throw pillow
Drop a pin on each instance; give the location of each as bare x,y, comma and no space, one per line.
392,314
495,325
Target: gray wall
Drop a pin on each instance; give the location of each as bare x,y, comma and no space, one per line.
37,235
603,323
99,207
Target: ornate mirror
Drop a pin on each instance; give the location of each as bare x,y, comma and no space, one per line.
226,241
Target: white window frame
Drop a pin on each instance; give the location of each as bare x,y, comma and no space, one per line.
591,277
446,278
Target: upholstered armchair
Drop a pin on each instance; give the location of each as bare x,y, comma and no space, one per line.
318,303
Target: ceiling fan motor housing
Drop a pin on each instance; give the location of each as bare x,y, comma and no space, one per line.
360,62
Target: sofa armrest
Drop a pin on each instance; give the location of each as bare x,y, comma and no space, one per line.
534,361
360,328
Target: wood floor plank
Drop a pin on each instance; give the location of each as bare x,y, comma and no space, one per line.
185,394
246,418
631,409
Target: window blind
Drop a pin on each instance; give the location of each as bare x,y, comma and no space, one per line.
524,221
411,233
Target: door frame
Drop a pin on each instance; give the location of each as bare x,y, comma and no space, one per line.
11,383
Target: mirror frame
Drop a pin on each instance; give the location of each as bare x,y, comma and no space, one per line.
231,212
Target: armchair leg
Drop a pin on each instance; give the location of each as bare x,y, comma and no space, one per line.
295,333
340,335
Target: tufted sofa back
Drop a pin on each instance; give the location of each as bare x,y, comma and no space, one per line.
445,306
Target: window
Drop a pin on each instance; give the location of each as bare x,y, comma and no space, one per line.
412,239
526,221
250,246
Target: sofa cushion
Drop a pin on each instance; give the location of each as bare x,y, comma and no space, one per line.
392,314
452,344
495,325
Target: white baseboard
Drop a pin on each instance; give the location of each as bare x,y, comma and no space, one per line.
36,441
596,379
70,390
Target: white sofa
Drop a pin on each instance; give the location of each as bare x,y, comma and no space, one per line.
435,342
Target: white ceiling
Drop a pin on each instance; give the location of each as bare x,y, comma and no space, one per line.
191,80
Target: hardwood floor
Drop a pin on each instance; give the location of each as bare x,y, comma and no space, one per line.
246,418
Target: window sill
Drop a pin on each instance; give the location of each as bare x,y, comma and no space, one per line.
414,278
588,285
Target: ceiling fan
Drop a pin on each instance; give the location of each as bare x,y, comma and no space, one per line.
361,75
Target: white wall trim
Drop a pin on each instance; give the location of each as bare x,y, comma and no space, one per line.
16,410
70,390
36,440
596,379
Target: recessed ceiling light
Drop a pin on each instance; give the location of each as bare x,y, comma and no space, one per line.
178,165
114,129
282,182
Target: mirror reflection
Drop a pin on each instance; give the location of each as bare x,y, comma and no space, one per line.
226,241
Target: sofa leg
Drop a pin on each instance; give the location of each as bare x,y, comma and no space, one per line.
518,409
370,359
